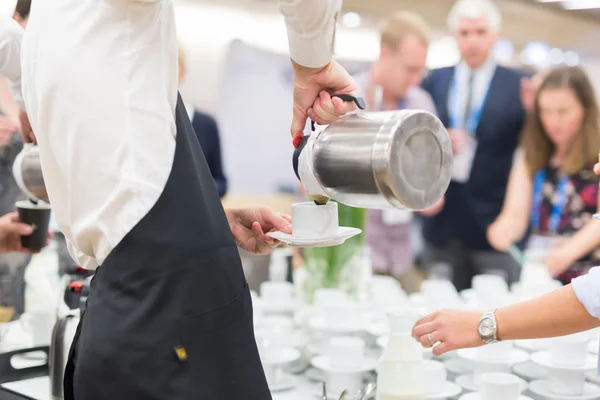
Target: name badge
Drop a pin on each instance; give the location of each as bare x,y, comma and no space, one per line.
395,216
463,162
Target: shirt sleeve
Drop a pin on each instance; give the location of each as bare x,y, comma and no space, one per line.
11,35
587,290
311,28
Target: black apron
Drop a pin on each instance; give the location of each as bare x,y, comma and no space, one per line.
170,314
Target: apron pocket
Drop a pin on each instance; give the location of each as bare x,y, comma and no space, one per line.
221,351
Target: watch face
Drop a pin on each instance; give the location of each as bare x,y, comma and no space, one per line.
486,327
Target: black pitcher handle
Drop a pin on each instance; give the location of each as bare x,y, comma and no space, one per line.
359,101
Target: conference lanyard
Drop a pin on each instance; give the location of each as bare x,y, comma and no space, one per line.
557,206
470,125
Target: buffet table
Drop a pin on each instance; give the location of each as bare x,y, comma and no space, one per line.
39,389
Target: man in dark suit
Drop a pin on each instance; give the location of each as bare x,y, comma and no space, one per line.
207,133
479,102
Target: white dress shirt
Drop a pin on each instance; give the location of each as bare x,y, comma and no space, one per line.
311,29
458,95
11,35
100,87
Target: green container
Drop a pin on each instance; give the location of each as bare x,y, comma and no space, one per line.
338,266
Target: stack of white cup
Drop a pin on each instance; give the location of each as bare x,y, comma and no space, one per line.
567,362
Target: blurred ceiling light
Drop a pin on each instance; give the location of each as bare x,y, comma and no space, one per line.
571,58
537,54
580,4
556,56
351,20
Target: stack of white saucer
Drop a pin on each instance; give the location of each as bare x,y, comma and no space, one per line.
274,355
498,386
344,364
496,357
567,362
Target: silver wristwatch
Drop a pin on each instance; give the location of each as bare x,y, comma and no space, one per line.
488,327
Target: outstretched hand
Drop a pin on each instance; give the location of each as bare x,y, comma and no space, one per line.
250,227
448,330
11,231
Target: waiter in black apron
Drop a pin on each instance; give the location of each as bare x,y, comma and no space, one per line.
170,314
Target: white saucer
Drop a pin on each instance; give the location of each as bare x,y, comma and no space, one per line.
458,366
445,391
533,345
477,396
596,216
467,382
286,355
530,371
516,356
543,358
540,388
593,377
285,383
427,351
323,363
340,237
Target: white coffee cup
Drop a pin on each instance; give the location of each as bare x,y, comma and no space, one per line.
435,375
311,221
500,386
569,351
346,352
566,382
489,287
482,368
498,352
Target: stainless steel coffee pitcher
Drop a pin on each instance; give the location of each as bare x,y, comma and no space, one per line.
378,160
27,171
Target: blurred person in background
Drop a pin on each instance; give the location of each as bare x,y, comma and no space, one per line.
571,309
21,14
207,132
552,187
12,264
392,84
479,102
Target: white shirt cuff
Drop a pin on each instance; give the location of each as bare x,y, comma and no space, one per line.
312,51
587,290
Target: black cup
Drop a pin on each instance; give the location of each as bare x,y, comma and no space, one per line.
38,216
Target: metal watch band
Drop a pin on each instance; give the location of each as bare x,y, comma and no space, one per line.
489,316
